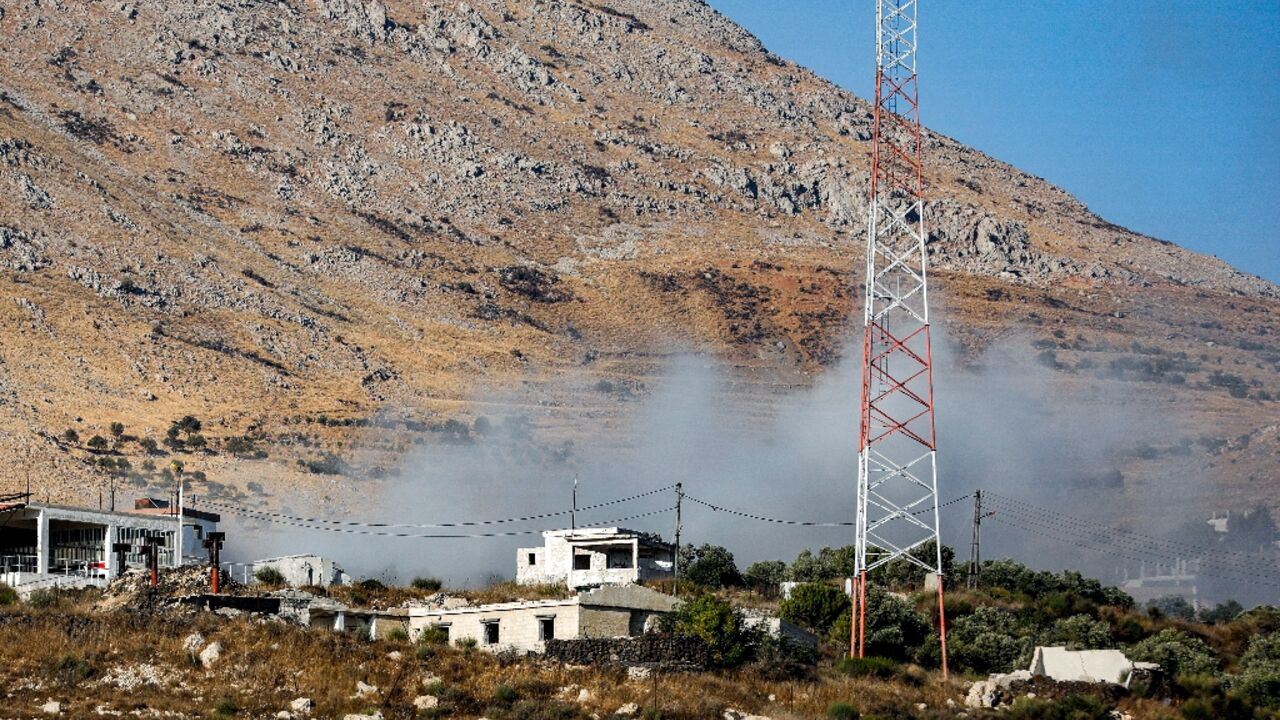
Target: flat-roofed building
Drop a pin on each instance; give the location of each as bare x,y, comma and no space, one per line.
43,545
594,557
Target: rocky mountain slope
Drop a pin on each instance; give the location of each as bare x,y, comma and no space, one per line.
291,220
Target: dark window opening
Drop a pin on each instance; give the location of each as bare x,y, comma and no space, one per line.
546,628
581,562
491,633
533,558
443,631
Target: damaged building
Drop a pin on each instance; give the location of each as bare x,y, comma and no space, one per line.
45,545
594,557
525,626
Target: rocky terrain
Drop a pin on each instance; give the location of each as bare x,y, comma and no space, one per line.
294,221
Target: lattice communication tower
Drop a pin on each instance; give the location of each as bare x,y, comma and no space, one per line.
897,513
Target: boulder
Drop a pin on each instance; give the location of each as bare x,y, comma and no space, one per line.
364,689
53,707
192,643
627,710
302,705
426,702
210,655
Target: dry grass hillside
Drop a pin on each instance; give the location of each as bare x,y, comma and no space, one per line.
293,220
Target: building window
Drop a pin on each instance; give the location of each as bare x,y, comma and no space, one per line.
547,628
533,558
441,631
581,562
491,632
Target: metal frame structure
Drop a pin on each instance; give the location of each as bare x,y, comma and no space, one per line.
897,510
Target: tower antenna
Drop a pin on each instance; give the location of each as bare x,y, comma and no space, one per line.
897,512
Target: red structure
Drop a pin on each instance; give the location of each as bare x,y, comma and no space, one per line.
897,513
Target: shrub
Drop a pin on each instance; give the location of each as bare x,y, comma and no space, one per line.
8,595
1258,681
1171,606
371,584
870,666
117,429
72,670
842,711
1080,632
43,598
268,576
429,584
1176,652
97,442
987,641
466,643
398,634
713,621
71,436
814,606
1071,707
226,706
505,694
434,636
894,628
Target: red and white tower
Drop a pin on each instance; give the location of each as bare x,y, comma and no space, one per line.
897,465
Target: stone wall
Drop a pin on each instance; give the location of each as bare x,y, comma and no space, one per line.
670,652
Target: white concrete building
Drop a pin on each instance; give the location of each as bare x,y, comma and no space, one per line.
44,545
594,557
304,570
525,626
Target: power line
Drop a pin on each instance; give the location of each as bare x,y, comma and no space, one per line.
477,523
802,523
1242,560
376,533
1082,537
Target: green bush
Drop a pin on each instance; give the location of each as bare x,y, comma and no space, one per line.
894,628
989,640
505,694
434,636
713,621
1079,632
870,666
43,598
398,634
1176,652
268,576
1071,707
430,584
226,706
842,711
814,606
8,595
466,643
1258,680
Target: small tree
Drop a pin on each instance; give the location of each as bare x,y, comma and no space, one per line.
117,429
196,441
148,445
766,574
1080,632
71,436
97,443
713,621
814,606
709,565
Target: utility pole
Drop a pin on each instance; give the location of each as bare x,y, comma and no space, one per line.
975,552
573,510
177,538
213,543
679,503
897,499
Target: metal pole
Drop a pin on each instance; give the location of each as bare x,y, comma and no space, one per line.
573,510
679,502
177,551
975,557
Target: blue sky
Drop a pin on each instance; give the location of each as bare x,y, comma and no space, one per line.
1160,115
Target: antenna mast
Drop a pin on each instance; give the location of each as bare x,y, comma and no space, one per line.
897,509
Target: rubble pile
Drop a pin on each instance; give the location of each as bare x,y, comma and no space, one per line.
133,591
1002,689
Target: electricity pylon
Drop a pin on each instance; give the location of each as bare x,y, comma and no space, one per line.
897,509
